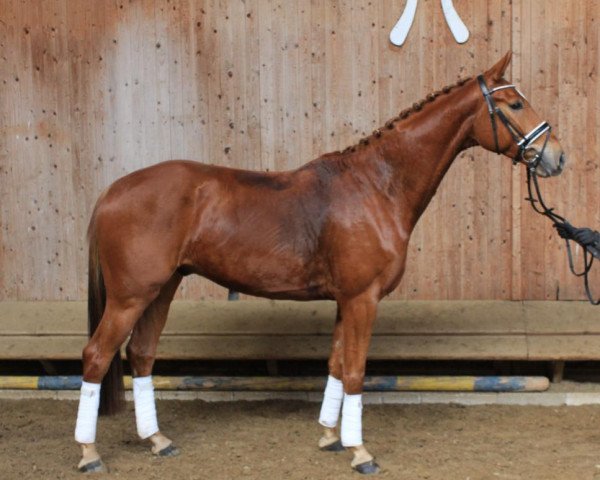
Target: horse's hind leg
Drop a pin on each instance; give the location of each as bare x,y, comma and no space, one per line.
334,393
118,319
141,353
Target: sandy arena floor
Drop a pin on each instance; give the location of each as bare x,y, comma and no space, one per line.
277,440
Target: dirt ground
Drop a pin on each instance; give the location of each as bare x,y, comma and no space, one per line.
277,440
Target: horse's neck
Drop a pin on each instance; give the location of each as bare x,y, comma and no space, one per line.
424,147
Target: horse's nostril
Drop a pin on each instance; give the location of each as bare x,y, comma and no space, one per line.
561,161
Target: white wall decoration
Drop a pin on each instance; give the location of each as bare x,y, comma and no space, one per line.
457,27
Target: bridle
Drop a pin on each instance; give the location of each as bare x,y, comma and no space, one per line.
524,142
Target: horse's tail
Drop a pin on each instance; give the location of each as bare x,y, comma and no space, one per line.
112,392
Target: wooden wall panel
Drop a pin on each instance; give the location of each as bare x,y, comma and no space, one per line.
461,247
557,44
94,90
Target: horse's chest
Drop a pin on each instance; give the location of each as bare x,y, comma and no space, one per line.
371,256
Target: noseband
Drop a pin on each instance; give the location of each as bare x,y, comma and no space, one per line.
523,141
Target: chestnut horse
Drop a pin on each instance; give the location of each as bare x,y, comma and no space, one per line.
336,228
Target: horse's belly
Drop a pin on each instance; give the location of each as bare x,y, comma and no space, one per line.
260,273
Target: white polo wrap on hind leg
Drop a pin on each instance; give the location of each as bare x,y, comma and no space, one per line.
87,414
352,421
332,402
145,408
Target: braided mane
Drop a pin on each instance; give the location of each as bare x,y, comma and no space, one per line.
416,107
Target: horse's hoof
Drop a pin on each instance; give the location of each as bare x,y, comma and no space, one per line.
333,447
169,451
97,466
367,468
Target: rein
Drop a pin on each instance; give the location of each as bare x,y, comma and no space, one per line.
524,142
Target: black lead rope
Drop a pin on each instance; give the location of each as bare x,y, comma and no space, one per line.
534,194
538,205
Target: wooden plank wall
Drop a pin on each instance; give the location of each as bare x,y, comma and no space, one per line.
93,90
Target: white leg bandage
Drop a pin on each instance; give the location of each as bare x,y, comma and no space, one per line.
352,421
145,408
87,415
332,402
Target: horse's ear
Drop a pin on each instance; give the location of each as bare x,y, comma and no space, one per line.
497,71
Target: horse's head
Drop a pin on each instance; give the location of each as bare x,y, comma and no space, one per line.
506,123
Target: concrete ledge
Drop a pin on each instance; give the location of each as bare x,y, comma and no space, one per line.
547,399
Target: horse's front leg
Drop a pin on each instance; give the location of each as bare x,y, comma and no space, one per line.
357,316
334,393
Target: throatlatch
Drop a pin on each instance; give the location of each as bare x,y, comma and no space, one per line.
524,142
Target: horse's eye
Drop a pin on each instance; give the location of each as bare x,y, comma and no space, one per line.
518,105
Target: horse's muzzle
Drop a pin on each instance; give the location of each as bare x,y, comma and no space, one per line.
551,165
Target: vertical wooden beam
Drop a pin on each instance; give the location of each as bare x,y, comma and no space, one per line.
558,371
517,173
